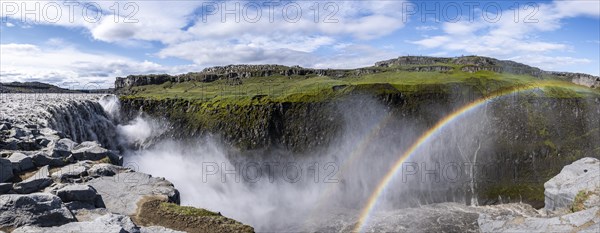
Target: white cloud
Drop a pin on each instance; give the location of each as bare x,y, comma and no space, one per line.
185,35
433,42
67,66
353,56
109,31
212,52
550,62
508,39
575,8
426,28
9,24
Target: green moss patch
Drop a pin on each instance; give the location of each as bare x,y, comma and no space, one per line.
580,198
186,210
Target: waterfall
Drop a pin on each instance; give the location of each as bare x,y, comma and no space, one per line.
474,201
85,119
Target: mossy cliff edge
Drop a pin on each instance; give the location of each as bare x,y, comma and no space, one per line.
264,106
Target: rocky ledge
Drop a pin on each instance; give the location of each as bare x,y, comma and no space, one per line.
50,183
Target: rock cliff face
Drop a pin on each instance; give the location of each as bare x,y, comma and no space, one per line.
527,140
581,79
468,63
406,63
233,72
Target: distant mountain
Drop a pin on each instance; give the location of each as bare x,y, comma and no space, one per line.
39,87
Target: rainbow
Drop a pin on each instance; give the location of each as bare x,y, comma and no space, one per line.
356,153
425,137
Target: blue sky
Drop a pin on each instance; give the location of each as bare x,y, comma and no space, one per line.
72,44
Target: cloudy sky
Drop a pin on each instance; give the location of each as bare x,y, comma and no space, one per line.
73,44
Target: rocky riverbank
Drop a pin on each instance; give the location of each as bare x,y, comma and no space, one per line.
51,181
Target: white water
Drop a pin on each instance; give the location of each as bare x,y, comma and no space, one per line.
321,191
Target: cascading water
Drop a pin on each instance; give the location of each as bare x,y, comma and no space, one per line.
255,187
84,119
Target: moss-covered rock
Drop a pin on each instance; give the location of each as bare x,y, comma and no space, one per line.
154,212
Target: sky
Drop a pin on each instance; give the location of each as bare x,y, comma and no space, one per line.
86,44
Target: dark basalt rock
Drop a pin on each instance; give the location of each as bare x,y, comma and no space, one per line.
42,159
5,187
77,192
21,162
38,209
63,147
71,172
41,179
6,170
91,150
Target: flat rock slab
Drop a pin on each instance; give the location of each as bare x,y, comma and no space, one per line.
105,169
122,192
21,162
40,180
107,223
39,209
71,172
77,192
91,150
581,175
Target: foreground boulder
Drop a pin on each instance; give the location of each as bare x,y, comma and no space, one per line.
77,192
72,173
106,223
122,192
41,179
580,177
6,171
5,187
21,162
63,147
93,151
39,209
42,159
